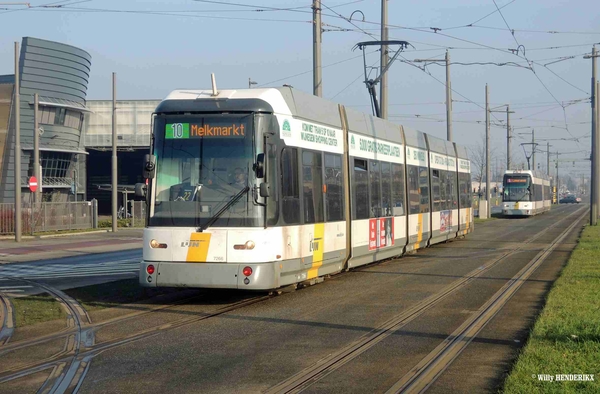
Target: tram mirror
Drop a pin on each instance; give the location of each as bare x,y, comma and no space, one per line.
265,189
140,190
259,167
149,166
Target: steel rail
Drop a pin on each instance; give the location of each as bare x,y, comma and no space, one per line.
425,373
84,356
327,365
77,317
8,320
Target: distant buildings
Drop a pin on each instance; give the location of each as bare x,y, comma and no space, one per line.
59,73
134,122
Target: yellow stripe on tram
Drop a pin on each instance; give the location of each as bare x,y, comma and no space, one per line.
468,217
419,230
318,244
198,248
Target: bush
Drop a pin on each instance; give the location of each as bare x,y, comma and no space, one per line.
120,223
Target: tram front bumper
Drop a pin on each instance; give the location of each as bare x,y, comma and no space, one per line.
208,275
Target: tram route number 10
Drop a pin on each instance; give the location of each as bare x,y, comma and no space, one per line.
177,131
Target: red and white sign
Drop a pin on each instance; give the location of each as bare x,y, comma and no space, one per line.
381,233
33,184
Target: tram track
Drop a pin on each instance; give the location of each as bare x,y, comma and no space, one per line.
72,377
77,318
425,373
310,375
78,361
8,320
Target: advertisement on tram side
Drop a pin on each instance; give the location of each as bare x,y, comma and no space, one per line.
445,221
381,233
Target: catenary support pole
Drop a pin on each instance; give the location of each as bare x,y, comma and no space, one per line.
448,99
548,158
597,149
317,77
487,148
594,198
36,147
18,216
533,150
384,59
508,137
114,153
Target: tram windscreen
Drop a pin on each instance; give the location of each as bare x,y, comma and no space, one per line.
202,162
516,188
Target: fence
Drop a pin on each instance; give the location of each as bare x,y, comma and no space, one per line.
138,213
48,216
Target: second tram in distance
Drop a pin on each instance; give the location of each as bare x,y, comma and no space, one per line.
525,193
263,188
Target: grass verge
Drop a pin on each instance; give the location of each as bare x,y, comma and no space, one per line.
113,294
566,337
36,309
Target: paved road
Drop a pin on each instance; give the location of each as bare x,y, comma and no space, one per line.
69,245
238,342
70,272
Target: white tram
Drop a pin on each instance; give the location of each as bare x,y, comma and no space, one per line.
525,193
263,188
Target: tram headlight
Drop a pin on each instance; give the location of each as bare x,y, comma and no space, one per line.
249,245
154,244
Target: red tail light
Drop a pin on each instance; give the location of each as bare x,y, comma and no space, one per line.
150,269
247,271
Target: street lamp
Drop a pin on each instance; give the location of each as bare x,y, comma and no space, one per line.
250,83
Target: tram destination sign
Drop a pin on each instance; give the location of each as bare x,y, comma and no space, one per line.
206,130
516,180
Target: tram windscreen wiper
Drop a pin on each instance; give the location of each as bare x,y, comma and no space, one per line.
225,207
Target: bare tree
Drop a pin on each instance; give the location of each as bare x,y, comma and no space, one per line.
477,157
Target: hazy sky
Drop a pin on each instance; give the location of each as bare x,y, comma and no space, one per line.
158,46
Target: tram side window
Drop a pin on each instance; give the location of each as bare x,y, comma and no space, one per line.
435,190
414,197
464,190
470,199
289,186
360,189
273,201
386,189
398,189
334,192
313,187
452,190
424,189
443,190
375,182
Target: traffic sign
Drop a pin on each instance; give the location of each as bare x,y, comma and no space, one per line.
33,184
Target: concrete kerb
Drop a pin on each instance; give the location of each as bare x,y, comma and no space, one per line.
10,237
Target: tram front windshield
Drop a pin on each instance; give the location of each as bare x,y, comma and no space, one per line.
517,187
201,164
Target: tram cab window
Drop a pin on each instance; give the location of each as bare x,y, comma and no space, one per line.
334,192
375,185
517,188
312,180
398,189
290,190
360,190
